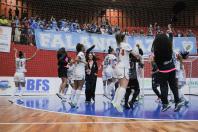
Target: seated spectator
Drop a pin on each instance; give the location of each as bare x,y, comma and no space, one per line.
102,29
4,21
142,32
179,34
190,33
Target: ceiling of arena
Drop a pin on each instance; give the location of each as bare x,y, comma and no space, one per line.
91,4
136,8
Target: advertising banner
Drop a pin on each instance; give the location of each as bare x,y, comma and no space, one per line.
53,40
5,38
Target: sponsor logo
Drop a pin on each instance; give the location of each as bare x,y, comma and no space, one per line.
4,84
37,85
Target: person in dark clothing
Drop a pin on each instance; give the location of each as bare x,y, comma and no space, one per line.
10,14
155,80
154,76
163,56
91,78
133,83
62,71
17,12
88,51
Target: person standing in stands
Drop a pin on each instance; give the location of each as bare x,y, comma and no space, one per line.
163,56
91,77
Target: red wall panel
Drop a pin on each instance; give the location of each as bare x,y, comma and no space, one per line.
45,64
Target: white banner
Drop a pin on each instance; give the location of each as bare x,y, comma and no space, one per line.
50,86
5,38
40,86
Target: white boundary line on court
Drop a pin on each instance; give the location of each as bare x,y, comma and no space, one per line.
133,119
77,123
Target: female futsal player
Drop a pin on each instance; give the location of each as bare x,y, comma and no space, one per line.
79,74
163,56
133,82
122,70
180,74
19,76
154,77
109,64
62,72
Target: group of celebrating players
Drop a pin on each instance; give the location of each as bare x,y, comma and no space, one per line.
120,74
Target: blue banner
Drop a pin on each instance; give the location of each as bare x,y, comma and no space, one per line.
52,40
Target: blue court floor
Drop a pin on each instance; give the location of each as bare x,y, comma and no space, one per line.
146,108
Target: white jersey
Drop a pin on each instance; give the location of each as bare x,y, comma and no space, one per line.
79,69
80,65
123,55
109,61
20,65
70,71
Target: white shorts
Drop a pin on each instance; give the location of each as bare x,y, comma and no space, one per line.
19,77
79,75
121,72
107,74
70,79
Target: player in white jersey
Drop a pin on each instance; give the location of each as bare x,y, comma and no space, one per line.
180,74
108,75
19,76
122,69
79,74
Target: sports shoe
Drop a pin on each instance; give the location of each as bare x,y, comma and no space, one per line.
179,105
186,102
158,100
165,107
59,96
73,105
64,100
108,97
172,101
127,106
119,108
11,101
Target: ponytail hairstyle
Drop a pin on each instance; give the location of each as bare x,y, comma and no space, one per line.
21,55
184,54
119,38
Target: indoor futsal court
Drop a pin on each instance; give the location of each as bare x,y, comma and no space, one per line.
98,66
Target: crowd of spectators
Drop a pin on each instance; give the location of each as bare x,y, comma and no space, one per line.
23,29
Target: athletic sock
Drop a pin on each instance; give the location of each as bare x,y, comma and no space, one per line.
13,93
111,86
116,95
104,89
73,92
21,92
77,96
